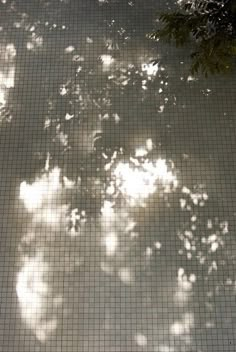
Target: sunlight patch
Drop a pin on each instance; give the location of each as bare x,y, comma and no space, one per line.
69,49
2,97
51,216
111,243
177,328
36,42
150,69
138,180
107,61
126,276
143,151
7,71
141,339
33,194
164,348
32,292
184,287
183,327
107,209
7,80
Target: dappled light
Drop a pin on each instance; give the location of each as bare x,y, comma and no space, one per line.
35,43
7,78
2,98
107,209
33,292
164,348
150,69
111,243
33,195
184,287
126,276
183,327
137,180
107,61
141,339
117,184
7,71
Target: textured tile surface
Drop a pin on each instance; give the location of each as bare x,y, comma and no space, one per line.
117,185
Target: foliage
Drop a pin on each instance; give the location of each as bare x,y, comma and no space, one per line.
211,24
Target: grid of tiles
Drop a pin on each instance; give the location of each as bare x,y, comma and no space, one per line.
117,185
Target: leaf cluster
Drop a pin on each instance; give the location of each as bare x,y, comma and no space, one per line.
212,26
